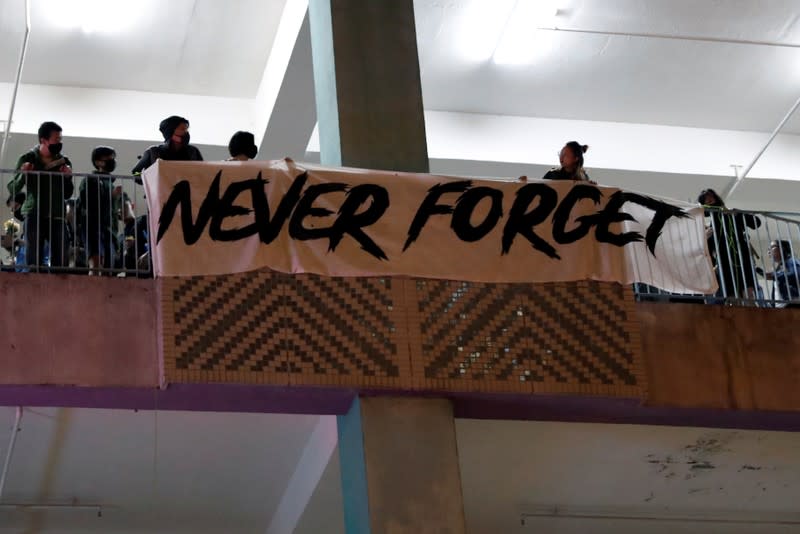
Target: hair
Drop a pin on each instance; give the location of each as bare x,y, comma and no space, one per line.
578,150
103,152
167,126
243,143
785,246
717,199
46,129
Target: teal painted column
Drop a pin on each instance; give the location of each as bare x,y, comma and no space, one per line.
399,459
399,464
367,84
353,471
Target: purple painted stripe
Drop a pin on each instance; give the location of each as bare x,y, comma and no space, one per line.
619,411
337,401
188,397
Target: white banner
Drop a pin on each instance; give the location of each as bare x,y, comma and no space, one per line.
211,218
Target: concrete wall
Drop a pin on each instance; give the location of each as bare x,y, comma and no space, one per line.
721,357
77,330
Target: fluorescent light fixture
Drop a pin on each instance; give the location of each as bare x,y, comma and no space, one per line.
653,514
521,42
480,26
100,16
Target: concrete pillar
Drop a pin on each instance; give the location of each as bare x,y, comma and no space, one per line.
399,460
368,94
400,472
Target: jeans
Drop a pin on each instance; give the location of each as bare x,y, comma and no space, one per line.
41,230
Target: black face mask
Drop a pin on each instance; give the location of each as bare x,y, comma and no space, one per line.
109,166
55,148
185,138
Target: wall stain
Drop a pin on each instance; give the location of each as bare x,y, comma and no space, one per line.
747,467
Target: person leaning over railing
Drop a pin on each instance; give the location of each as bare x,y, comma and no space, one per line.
571,159
729,245
786,276
44,208
175,147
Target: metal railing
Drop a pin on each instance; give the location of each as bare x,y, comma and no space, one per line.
73,223
97,224
754,260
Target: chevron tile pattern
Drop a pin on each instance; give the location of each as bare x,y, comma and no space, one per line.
409,334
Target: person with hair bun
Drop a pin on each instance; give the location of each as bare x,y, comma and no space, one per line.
571,159
242,147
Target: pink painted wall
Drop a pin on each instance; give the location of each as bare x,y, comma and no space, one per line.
78,330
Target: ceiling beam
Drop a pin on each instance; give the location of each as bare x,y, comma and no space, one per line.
307,474
285,108
123,114
613,145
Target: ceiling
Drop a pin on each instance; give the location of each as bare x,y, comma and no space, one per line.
217,63
618,468
189,472
513,468
196,47
165,472
624,78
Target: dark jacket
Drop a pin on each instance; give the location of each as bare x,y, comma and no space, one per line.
47,190
787,280
730,249
162,151
561,174
96,204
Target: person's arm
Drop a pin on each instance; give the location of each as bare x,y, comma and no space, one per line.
198,155
145,161
18,182
69,185
128,213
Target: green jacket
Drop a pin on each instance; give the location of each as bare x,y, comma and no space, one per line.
47,190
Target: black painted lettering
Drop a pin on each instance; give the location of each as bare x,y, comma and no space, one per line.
522,222
305,208
430,207
461,222
270,227
351,222
226,208
181,195
663,212
610,215
562,214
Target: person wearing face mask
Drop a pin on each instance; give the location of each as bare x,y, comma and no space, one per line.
175,147
97,228
44,209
